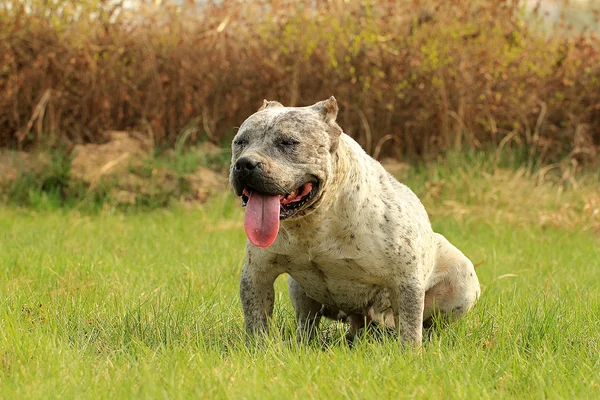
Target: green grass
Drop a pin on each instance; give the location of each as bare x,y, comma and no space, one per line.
145,305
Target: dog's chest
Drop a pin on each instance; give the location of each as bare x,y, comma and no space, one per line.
347,284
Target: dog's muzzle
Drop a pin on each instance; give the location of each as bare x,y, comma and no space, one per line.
248,172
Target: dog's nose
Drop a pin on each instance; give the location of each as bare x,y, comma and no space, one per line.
247,163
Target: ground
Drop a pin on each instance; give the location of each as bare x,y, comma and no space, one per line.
145,305
123,170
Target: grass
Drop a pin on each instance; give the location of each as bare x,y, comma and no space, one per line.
145,305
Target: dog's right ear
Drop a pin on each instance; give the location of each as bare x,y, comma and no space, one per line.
270,104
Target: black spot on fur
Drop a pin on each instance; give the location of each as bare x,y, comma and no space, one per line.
386,203
246,287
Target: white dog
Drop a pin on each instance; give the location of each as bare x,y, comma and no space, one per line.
356,243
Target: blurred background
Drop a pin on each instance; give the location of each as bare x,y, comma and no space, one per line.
135,102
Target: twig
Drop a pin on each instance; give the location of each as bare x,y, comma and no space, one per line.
382,141
207,129
536,133
503,143
38,112
366,127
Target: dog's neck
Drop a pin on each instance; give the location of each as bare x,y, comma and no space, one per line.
347,162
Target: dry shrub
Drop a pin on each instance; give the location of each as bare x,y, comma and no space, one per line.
412,78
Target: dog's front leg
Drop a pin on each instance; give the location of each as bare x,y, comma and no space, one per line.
258,296
407,300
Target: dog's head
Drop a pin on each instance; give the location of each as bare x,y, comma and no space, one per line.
282,161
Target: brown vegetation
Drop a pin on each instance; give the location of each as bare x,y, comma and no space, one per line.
413,79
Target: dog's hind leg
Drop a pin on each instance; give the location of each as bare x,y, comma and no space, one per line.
453,287
308,311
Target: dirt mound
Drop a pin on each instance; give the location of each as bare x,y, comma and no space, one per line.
203,182
12,163
124,162
122,169
115,157
394,167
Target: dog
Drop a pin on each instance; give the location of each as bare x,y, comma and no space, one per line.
356,244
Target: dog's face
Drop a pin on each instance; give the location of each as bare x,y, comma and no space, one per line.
282,158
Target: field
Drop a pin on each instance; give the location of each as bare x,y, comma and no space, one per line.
121,247
145,305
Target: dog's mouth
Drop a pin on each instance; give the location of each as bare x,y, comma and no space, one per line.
264,211
289,203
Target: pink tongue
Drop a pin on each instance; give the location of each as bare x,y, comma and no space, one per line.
262,219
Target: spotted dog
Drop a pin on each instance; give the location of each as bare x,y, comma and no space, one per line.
356,243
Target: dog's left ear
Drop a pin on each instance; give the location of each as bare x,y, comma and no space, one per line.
270,104
328,109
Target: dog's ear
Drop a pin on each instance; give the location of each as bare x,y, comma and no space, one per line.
270,104
327,109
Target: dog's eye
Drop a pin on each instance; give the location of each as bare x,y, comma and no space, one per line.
288,142
240,142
